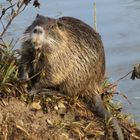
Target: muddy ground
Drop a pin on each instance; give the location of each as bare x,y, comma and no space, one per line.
52,116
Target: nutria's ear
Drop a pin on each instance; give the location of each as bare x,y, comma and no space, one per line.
38,16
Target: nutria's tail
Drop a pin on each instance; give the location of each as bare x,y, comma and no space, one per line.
95,103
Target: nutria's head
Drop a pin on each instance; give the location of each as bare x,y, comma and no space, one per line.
47,35
38,31
37,37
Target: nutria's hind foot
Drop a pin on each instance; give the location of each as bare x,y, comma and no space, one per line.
33,92
22,81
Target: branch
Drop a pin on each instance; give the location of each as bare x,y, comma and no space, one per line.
19,8
4,10
13,15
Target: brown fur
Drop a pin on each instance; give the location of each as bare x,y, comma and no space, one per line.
72,58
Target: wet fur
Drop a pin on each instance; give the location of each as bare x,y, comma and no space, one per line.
72,58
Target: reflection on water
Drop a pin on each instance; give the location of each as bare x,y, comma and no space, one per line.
118,23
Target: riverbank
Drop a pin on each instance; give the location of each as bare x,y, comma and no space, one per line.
52,115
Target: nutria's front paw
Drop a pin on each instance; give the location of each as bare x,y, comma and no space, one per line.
34,91
22,81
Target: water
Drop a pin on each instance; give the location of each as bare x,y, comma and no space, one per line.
118,23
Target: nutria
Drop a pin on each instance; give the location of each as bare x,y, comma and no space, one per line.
69,54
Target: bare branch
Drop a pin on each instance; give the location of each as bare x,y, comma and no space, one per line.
14,14
16,8
5,10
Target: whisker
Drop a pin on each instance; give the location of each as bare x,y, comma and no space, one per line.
25,37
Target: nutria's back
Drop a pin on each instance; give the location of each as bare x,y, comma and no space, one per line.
89,41
87,53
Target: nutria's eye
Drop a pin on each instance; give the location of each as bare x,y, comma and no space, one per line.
37,31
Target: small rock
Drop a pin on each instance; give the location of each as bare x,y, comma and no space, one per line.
20,122
36,105
61,105
48,99
49,122
56,108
